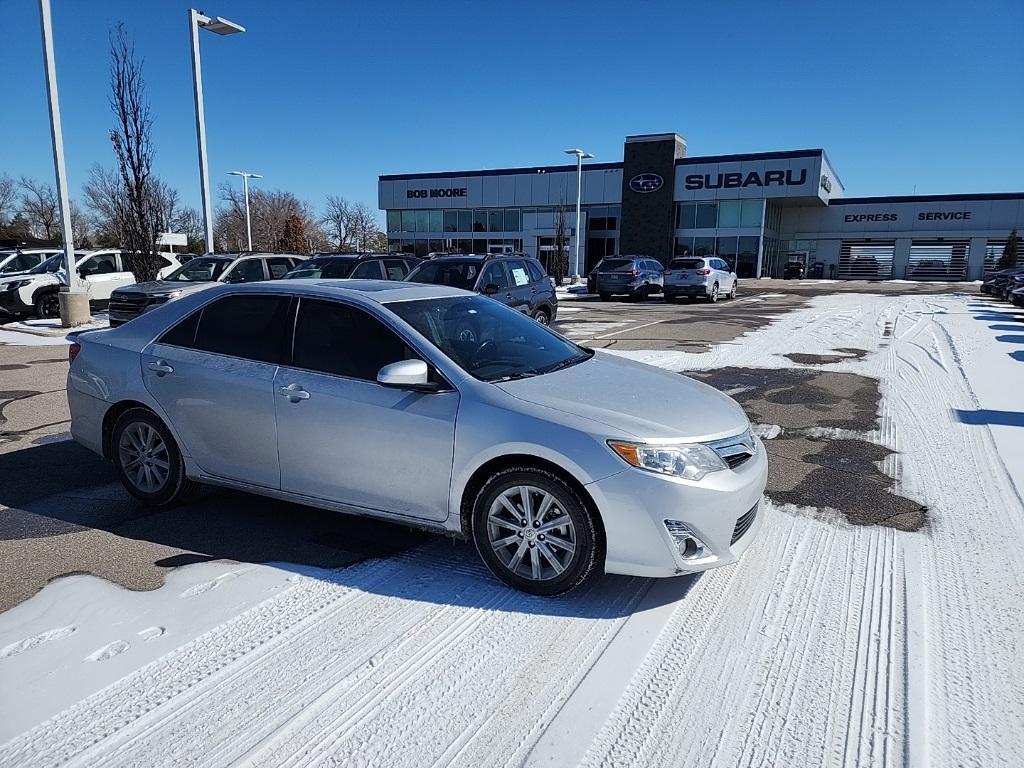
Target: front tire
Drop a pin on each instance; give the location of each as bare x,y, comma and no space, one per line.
48,305
535,533
147,459
713,296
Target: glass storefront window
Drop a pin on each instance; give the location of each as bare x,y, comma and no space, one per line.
729,213
394,221
703,246
465,221
479,246
435,221
480,221
513,221
751,214
408,221
496,221
687,216
726,248
422,221
612,220
451,221
707,215
465,246
684,246
420,248
746,258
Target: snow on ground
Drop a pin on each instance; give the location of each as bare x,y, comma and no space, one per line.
826,645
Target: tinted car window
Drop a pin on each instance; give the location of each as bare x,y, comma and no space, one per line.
103,264
395,269
366,270
495,273
609,265
20,262
686,263
517,269
457,274
201,270
276,268
346,341
184,333
248,271
536,273
252,327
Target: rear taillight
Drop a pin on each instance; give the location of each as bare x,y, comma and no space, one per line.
704,271
636,272
73,349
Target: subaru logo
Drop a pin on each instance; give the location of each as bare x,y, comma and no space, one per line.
646,182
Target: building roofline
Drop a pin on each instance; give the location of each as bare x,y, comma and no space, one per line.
748,156
967,197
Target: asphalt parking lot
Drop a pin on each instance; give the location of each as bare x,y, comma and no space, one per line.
62,510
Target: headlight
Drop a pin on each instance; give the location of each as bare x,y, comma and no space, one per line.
160,298
16,284
687,460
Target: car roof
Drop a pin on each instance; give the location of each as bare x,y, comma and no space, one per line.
378,291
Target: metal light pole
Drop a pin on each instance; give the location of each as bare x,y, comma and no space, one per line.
72,306
580,155
222,27
245,185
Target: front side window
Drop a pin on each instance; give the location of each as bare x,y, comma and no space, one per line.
247,271
19,263
101,264
252,327
345,341
201,270
488,339
494,274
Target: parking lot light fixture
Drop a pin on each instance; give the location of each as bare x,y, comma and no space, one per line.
580,155
196,21
245,185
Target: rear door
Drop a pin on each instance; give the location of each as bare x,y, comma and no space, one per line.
213,376
523,290
344,437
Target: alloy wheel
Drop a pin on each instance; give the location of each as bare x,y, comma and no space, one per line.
530,533
144,457
714,293
49,305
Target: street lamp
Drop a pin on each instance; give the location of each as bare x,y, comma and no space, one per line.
245,185
580,155
197,19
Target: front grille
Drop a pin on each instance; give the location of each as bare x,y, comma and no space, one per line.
128,305
735,451
743,524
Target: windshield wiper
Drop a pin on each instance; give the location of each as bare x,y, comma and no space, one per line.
569,361
514,376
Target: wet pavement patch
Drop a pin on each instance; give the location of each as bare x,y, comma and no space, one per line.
807,468
836,356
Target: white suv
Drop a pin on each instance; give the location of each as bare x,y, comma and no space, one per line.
19,260
35,292
706,276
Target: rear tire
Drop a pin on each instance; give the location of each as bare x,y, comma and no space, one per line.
48,305
735,287
605,296
713,296
541,316
513,532
147,459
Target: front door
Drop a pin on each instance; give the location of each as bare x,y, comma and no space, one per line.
213,376
345,438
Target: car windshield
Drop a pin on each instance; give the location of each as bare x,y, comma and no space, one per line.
333,268
487,339
457,274
686,264
611,265
202,270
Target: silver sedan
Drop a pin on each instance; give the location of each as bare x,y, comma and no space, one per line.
431,406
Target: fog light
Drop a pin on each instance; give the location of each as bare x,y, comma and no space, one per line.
687,542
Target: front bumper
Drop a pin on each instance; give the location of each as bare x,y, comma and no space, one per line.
635,504
11,303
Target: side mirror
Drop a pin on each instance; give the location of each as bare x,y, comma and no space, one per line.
407,374
490,289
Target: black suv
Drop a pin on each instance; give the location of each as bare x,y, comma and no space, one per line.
355,266
513,279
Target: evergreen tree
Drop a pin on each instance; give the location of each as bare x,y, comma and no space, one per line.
1009,257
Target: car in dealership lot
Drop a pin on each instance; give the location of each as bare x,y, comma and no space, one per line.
513,279
704,277
540,451
354,266
1001,281
1012,285
1017,296
199,273
17,261
794,269
635,276
103,271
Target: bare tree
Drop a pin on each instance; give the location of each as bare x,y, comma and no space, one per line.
103,192
80,226
8,198
269,212
40,206
560,258
139,208
353,226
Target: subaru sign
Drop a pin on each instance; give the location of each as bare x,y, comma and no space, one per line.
646,182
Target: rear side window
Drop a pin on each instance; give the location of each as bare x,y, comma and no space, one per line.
276,268
395,269
338,339
520,277
366,270
494,274
536,273
247,271
251,327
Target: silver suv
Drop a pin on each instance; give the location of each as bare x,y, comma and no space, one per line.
706,277
429,406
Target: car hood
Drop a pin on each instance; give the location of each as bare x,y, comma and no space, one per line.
634,399
162,287
26,276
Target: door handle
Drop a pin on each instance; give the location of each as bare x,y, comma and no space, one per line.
508,295
160,368
294,392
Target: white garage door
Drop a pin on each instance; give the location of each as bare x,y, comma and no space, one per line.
866,259
938,260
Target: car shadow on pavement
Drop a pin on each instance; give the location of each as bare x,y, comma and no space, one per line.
67,513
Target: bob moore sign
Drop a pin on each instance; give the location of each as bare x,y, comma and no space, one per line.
437,192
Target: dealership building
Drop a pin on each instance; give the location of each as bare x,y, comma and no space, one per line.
757,210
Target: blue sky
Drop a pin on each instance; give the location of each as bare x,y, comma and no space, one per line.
321,97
